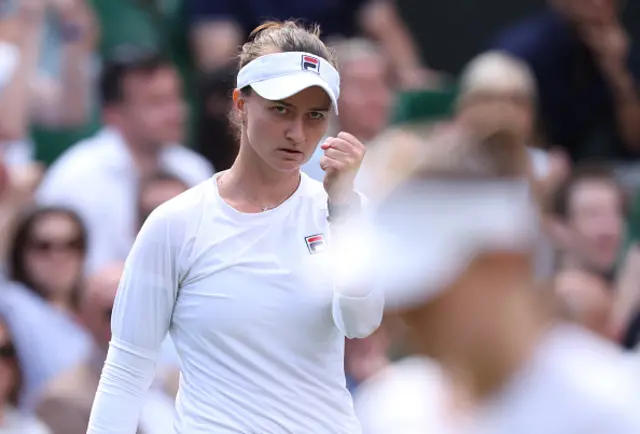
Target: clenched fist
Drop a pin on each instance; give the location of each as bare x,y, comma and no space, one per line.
341,161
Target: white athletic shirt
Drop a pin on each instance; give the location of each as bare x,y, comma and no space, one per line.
253,314
576,383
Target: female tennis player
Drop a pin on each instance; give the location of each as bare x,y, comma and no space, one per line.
467,298
235,268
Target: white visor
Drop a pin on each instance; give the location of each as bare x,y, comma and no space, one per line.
281,75
418,241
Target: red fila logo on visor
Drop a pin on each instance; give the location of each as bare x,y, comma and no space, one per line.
315,243
310,63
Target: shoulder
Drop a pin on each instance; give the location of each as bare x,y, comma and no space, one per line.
83,162
91,151
598,372
188,164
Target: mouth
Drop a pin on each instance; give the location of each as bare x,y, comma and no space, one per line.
290,152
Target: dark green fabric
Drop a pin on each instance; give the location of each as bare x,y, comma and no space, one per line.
424,105
633,222
157,25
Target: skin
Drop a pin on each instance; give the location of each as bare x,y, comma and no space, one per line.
277,138
151,114
590,237
366,97
57,268
484,326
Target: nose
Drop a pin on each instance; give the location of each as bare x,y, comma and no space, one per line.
295,131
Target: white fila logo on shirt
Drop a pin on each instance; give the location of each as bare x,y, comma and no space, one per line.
315,243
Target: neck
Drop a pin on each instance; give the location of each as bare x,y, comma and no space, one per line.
145,155
517,330
249,178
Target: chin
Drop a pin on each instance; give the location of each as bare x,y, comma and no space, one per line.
286,166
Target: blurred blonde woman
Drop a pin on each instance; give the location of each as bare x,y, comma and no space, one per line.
499,91
452,248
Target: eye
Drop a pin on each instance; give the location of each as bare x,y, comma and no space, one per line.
281,110
317,115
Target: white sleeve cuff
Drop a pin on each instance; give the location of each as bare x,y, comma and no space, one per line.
358,316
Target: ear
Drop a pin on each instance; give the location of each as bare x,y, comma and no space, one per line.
238,101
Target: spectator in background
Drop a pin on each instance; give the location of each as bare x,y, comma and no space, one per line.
587,215
17,187
587,73
366,100
589,212
47,341
12,421
98,178
65,404
216,140
155,190
219,27
48,254
497,90
25,96
626,310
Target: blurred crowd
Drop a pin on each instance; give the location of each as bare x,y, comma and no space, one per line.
110,108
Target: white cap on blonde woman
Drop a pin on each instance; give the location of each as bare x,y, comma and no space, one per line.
281,75
426,232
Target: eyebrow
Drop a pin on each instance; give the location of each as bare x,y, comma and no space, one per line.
319,109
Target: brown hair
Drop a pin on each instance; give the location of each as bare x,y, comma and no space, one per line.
280,37
558,204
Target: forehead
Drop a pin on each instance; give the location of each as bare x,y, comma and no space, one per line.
364,66
589,191
54,223
143,80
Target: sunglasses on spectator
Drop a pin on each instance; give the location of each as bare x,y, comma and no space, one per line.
47,246
7,351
